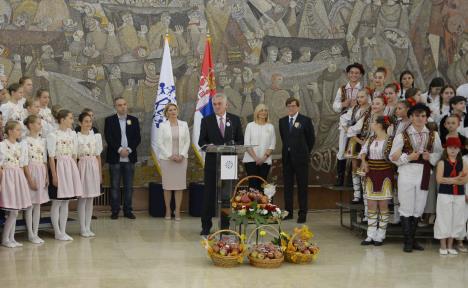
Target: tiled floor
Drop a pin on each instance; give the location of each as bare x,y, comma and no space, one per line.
150,252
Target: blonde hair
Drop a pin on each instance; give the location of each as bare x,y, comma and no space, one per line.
259,108
10,125
168,105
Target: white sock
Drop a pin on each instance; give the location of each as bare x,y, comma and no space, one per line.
29,225
64,218
8,227
82,216
54,217
36,218
89,216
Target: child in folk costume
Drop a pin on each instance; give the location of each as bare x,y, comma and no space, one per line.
391,93
406,83
45,113
14,191
414,94
457,107
13,109
62,147
379,180
414,151
451,129
452,174
36,174
32,107
401,124
432,95
460,246
345,100
442,108
378,81
353,147
89,165
362,129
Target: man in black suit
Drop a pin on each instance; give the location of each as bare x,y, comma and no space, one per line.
122,133
298,137
217,129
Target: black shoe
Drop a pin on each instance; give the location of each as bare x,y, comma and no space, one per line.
93,217
115,216
356,201
414,226
301,219
406,227
367,243
205,232
378,243
130,215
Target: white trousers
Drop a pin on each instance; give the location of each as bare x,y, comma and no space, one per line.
450,221
412,198
341,145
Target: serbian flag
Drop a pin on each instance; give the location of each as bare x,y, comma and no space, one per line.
166,94
206,91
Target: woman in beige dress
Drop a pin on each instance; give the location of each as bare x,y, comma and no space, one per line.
173,142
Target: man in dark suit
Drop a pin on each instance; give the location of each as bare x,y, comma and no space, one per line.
298,137
122,133
217,129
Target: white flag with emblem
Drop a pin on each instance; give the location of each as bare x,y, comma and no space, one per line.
166,94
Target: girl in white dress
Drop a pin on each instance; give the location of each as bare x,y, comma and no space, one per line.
45,113
89,165
62,147
32,107
13,109
36,174
442,108
14,195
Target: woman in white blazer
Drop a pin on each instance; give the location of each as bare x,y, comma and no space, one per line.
173,143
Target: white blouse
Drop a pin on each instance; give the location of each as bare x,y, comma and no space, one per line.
261,135
13,154
437,113
62,143
376,149
46,115
89,145
36,147
12,111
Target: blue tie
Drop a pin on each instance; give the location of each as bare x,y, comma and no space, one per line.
291,123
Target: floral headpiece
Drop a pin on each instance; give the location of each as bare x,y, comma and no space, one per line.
411,101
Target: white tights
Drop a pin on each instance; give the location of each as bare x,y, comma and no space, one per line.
8,236
85,213
59,217
32,217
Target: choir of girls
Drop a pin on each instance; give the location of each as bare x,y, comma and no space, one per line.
42,159
408,149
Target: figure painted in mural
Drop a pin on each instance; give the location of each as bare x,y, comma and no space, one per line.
393,14
115,82
217,17
5,60
271,56
112,48
16,72
457,70
286,55
128,34
305,55
95,34
56,10
5,13
157,33
249,95
277,18
142,39
196,31
339,17
314,22
147,88
129,94
96,76
231,88
77,45
91,55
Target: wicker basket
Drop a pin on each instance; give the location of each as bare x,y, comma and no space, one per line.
239,184
265,263
226,261
298,257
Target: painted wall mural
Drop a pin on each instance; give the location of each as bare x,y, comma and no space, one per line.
89,52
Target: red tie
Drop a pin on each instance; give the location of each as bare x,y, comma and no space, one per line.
453,173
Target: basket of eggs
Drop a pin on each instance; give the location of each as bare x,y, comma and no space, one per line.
265,254
226,248
300,249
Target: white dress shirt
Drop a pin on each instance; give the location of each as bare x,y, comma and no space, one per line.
123,141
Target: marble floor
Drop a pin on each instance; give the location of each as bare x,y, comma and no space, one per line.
149,252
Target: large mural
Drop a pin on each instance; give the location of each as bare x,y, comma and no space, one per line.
89,52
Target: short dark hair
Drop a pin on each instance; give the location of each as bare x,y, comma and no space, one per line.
357,66
30,119
291,100
418,108
411,92
381,70
82,116
87,110
385,121
118,98
40,91
23,79
13,87
455,100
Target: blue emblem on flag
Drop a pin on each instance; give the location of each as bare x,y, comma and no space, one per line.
166,95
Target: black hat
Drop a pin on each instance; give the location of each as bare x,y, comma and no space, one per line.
419,107
356,65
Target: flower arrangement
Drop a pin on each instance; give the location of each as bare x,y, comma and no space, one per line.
299,248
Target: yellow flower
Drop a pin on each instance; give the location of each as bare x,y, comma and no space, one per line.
262,233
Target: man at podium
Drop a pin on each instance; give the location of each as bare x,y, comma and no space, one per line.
217,129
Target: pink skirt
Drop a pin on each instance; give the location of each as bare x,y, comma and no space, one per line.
15,189
90,176
68,177
39,175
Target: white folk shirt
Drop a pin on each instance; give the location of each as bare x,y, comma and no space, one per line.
376,148
36,147
62,143
351,93
89,145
